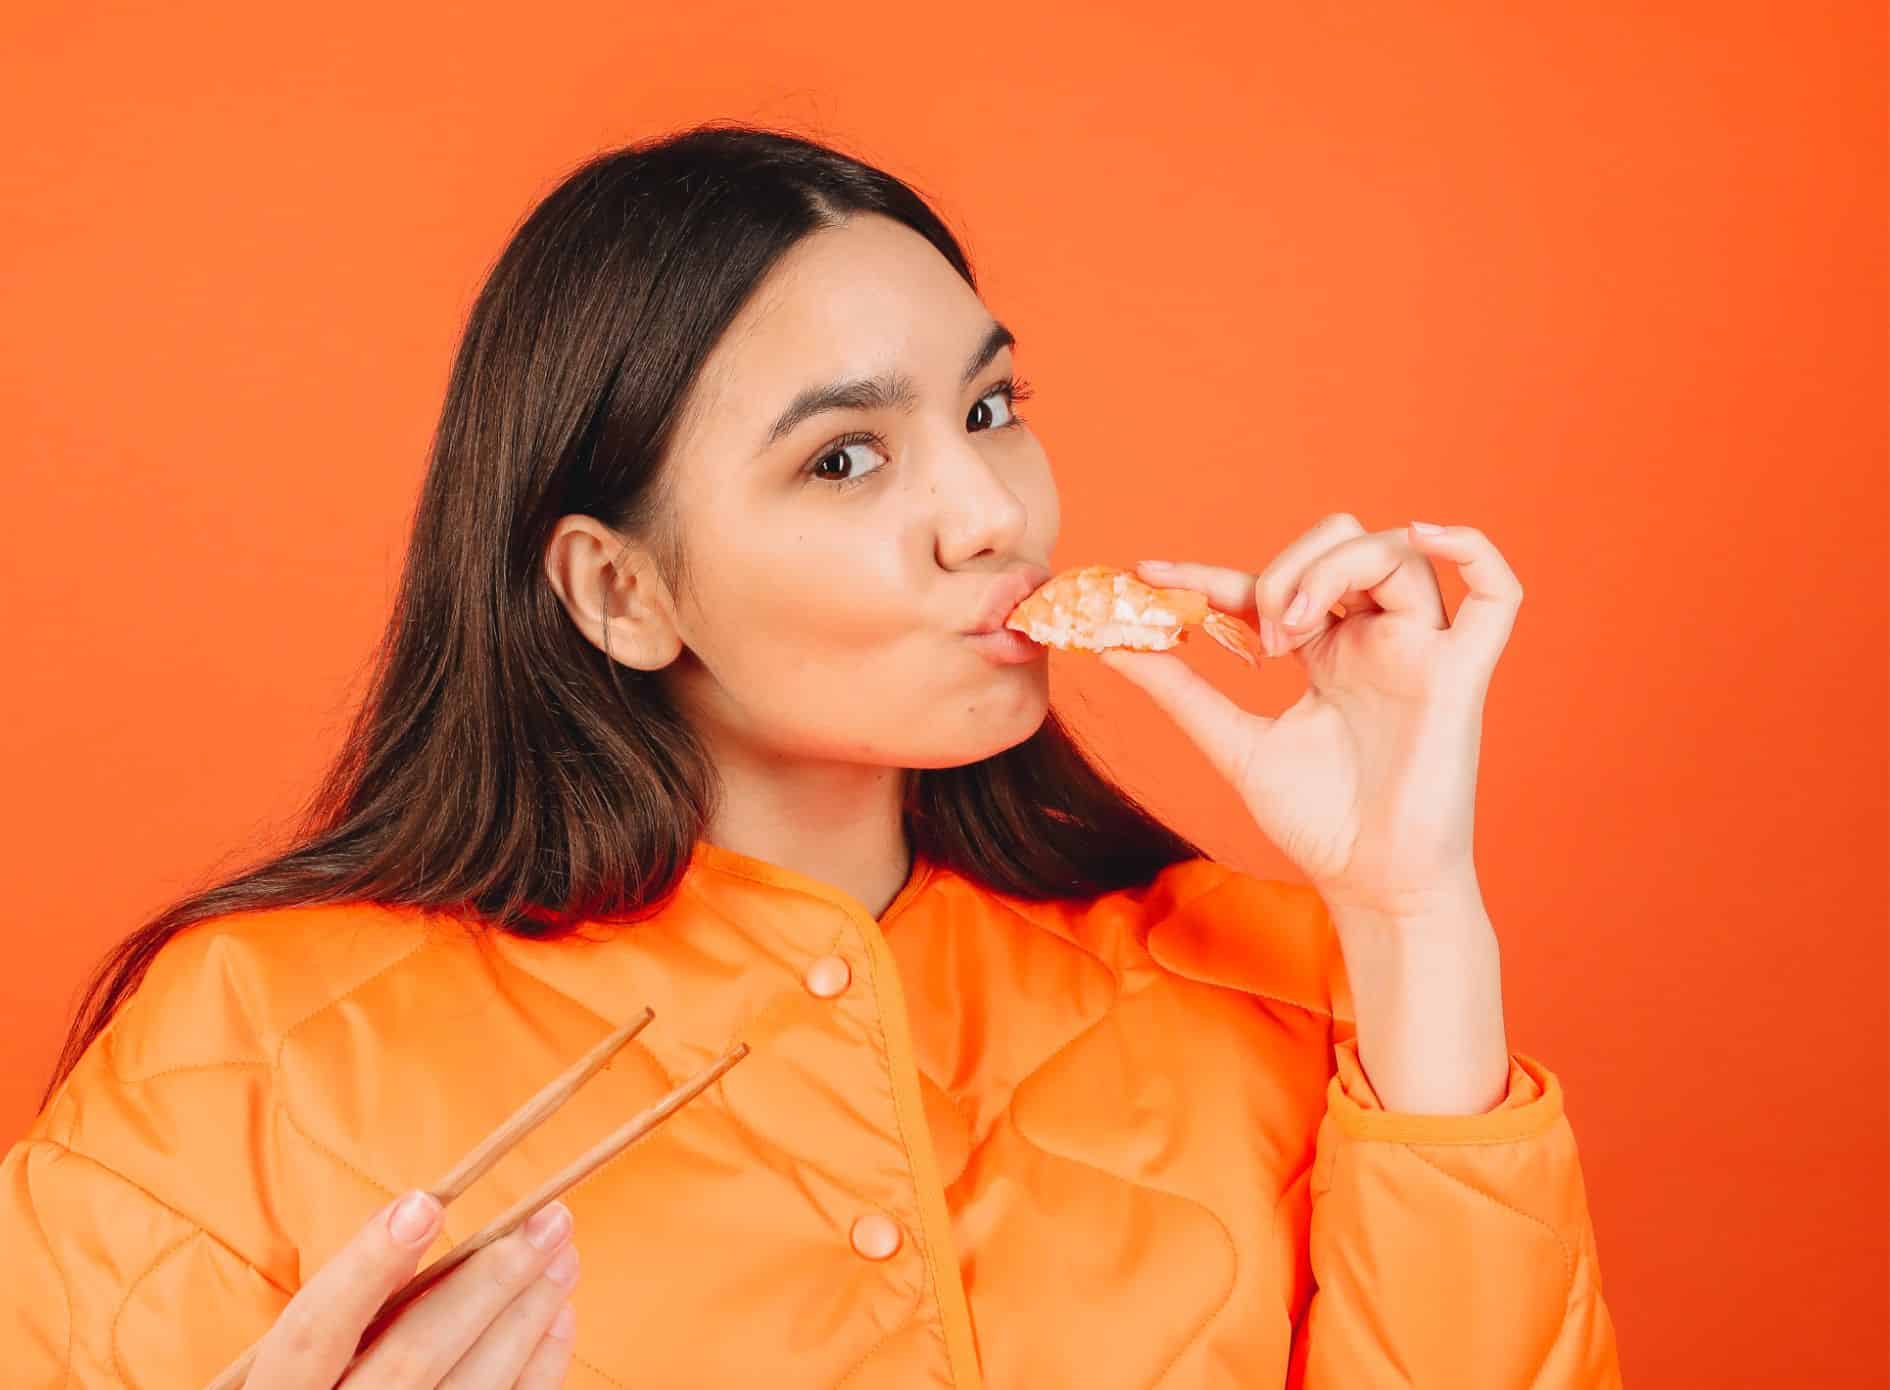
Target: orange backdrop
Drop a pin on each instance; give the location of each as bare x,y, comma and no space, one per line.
1610,284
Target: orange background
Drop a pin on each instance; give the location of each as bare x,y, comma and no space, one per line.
1609,284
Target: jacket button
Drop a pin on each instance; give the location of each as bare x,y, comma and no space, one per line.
876,1235
828,976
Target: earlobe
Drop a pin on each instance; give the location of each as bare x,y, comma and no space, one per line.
632,630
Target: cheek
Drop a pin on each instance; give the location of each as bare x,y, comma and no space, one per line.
922,699
1037,490
782,596
858,701
801,635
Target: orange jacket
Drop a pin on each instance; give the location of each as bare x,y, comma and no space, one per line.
1122,1141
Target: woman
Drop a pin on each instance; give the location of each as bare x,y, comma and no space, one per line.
683,705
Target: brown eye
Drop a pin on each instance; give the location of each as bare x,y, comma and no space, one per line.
982,414
1010,392
848,458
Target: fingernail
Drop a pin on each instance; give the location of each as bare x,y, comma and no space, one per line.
1296,608
1269,637
413,1218
548,1225
563,1269
1155,564
564,1324
1425,528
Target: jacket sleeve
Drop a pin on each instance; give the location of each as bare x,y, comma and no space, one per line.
1450,1250
1446,1251
108,1286
139,1240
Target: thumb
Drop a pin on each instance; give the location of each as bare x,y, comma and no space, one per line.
1218,727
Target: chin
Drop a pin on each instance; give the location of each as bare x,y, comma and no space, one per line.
988,727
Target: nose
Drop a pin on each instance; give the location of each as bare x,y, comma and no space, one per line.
978,509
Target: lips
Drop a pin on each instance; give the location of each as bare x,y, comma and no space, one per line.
1006,592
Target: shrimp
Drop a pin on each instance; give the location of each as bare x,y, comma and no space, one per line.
1098,606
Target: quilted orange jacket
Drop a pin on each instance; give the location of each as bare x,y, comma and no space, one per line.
1122,1141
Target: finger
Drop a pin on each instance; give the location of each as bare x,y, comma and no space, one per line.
1488,611
1280,641
315,1336
1279,581
1230,590
497,1359
1217,726
1380,565
433,1332
552,1357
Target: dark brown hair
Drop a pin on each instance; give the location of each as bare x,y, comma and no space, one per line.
501,768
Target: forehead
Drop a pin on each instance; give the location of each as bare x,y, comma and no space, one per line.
846,301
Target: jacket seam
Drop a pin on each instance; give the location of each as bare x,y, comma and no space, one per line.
1568,1256
872,1351
1233,1246
1075,946
1017,1127
120,1075
262,1062
196,1230
843,935
158,1201
329,1153
1516,1124
278,1101
1330,1015
124,1303
978,1141
1584,1289
496,962
918,1297
371,1181
426,939
878,1033
905,1143
272,1060
921,883
65,1286
279,1092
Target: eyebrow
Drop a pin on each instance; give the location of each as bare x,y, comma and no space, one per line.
887,391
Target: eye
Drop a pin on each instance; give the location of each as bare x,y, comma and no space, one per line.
841,453
1012,391
839,464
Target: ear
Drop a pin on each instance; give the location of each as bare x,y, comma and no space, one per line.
602,577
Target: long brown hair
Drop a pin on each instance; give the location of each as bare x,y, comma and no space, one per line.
501,768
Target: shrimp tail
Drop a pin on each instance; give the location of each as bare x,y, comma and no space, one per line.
1236,636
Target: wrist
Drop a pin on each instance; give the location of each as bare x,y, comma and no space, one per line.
1449,908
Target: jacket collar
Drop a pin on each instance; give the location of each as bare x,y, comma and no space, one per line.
709,861
739,905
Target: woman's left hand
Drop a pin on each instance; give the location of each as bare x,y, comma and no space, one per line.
1367,782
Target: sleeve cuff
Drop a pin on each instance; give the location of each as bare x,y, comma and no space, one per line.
1532,1103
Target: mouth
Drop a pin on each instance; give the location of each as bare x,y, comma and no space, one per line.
1006,592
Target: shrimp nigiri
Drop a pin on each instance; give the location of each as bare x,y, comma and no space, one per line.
1097,606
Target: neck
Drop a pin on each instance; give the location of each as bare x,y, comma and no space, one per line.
838,823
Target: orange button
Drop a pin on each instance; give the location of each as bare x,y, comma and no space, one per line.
828,976
876,1235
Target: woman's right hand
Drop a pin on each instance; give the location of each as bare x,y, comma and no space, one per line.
494,1323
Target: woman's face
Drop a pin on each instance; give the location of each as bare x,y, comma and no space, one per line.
832,580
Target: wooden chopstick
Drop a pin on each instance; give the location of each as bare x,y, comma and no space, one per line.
494,1147
520,1211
